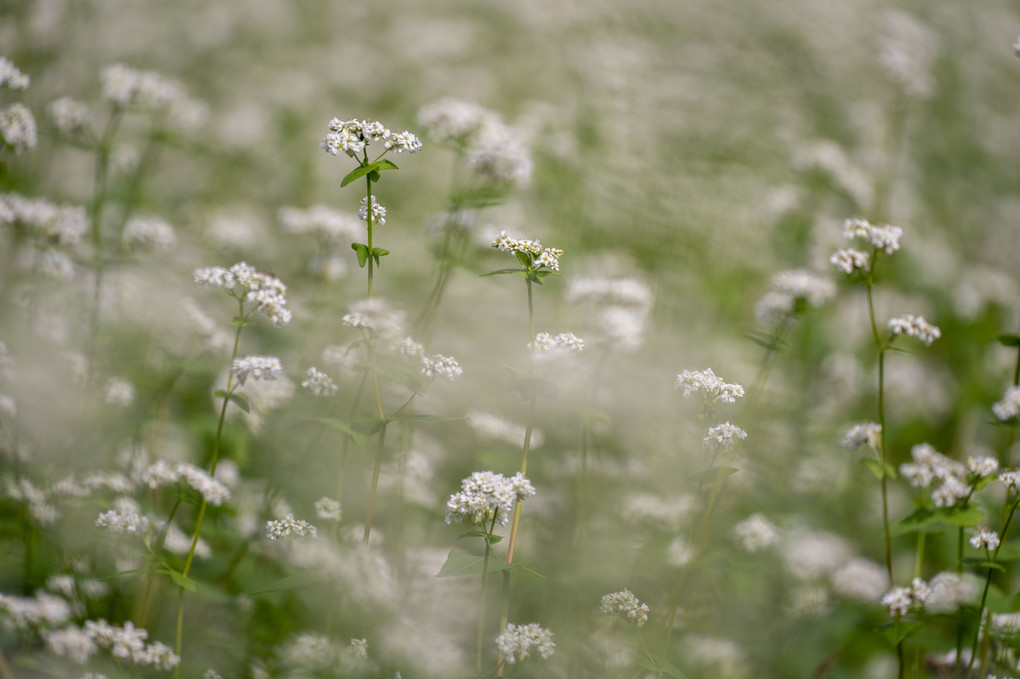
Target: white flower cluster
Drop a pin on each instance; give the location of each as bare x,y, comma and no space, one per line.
626,605
124,86
162,473
319,383
1009,407
149,233
947,591
982,465
932,468
1011,479
440,366
879,236
378,211
899,600
321,221
63,225
35,499
126,518
849,260
708,386
546,343
328,509
354,136
264,291
69,116
375,315
755,533
70,642
790,288
119,392
517,641
11,77
17,128
282,528
859,434
533,251
722,437
861,580
128,643
985,538
917,327
259,368
29,612
485,496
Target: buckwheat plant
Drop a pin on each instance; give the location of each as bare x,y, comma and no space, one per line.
357,139
882,240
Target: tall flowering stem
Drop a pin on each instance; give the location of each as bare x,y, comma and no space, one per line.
881,347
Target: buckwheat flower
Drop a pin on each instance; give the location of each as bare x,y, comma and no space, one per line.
485,496
128,643
859,434
149,233
119,84
950,492
68,116
126,518
378,211
11,77
755,533
1011,479
679,553
982,465
722,437
1009,407
497,154
70,642
328,509
849,260
516,642
708,386
212,491
119,392
282,528
375,315
948,591
861,580
899,601
624,604
440,366
403,141
985,538
257,367
880,236
546,343
917,327
319,383
17,128
211,674
410,348
359,648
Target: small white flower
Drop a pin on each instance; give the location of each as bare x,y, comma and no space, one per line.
440,366
328,509
706,384
1009,407
917,327
257,367
722,437
626,605
282,528
982,465
849,260
517,641
11,77
319,383
859,434
755,532
985,538
378,211
880,236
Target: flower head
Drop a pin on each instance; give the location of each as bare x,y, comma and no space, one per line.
849,260
985,539
529,252
485,496
264,291
722,437
11,77
17,128
517,641
1009,407
626,605
706,384
285,527
319,383
917,327
879,236
859,434
257,367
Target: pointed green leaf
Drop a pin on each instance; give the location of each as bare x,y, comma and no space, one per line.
668,668
461,563
928,517
182,581
385,165
528,571
288,583
237,399
373,176
377,253
1009,340
362,251
770,342
500,271
346,427
489,537
360,171
895,632
712,476
978,562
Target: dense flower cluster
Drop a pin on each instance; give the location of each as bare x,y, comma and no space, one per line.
859,434
353,136
1009,407
917,327
849,260
899,600
722,437
128,643
63,225
17,128
319,383
790,288
931,469
378,211
985,538
149,233
530,250
879,236
626,605
755,533
328,509
285,527
565,341
485,496
440,366
517,641
257,367
162,473
265,292
11,77
708,386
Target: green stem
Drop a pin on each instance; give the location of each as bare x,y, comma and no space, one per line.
368,219
481,600
375,483
988,580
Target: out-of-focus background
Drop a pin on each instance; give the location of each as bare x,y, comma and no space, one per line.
687,150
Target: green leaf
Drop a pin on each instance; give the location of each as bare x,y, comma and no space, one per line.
528,571
362,251
288,583
373,176
770,342
385,165
182,581
713,476
461,563
489,537
357,172
895,632
500,271
344,426
377,253
875,467
926,517
1009,340
978,562
240,401
121,574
